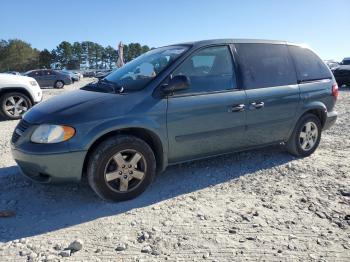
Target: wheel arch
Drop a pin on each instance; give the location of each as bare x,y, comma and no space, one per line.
146,135
22,90
316,108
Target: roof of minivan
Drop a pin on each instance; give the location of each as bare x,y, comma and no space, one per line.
237,41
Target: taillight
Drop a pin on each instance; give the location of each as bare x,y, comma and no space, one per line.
335,90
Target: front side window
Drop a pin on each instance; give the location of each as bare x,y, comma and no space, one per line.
309,66
209,69
33,73
265,65
136,74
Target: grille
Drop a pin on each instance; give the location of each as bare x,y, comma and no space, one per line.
19,130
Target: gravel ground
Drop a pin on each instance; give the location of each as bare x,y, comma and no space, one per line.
259,205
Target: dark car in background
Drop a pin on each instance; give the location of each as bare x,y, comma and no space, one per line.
89,73
74,77
346,61
342,75
48,78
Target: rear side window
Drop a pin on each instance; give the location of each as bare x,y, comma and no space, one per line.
265,65
309,66
209,69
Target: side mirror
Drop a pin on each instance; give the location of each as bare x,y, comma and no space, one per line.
177,83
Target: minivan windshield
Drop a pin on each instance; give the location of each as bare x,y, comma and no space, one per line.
136,74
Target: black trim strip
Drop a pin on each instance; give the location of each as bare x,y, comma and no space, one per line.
314,80
207,134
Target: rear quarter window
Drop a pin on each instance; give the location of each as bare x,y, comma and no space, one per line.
308,65
265,65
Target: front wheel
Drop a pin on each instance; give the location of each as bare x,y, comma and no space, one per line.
305,137
14,105
121,168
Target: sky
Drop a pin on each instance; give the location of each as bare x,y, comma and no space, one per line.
323,25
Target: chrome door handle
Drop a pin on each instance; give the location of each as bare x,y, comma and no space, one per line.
237,108
258,105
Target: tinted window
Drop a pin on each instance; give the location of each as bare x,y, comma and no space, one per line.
265,65
346,62
309,66
209,69
35,73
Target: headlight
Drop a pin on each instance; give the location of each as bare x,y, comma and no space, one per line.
47,134
33,83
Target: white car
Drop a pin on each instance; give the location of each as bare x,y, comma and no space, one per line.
17,95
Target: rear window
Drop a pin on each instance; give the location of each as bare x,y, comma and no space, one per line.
309,66
265,65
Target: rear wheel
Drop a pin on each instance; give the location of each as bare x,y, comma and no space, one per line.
306,136
121,168
14,105
59,84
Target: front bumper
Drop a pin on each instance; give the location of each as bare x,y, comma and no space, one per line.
330,120
46,168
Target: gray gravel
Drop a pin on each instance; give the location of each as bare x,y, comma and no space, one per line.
260,205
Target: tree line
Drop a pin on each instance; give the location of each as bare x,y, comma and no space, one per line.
18,55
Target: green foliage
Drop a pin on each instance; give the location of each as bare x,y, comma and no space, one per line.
17,55
45,59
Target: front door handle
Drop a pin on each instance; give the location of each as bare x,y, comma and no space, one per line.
237,108
258,105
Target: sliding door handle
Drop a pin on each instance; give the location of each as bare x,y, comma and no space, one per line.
258,105
237,108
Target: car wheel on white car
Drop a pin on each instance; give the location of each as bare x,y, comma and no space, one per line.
14,105
59,84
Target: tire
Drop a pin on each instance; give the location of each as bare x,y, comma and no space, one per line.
14,105
303,147
109,179
59,84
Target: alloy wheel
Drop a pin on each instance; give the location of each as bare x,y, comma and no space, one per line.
59,84
16,105
125,171
308,136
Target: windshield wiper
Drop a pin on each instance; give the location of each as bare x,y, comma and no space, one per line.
114,86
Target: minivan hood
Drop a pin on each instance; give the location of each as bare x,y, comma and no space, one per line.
79,106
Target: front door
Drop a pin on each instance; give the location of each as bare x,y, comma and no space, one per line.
38,76
48,78
272,91
209,117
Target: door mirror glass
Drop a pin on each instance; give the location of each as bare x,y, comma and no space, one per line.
177,83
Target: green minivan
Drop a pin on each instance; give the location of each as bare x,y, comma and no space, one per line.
175,104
